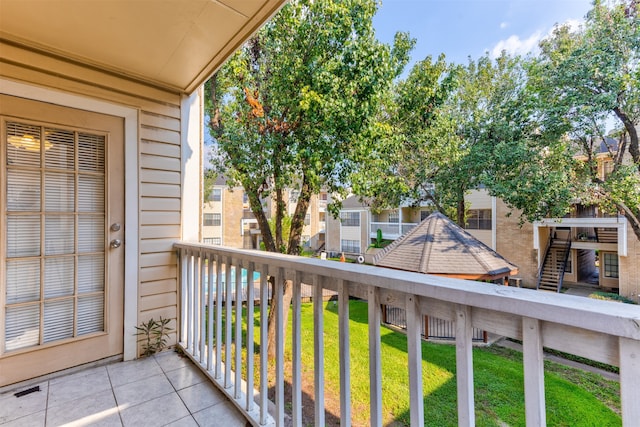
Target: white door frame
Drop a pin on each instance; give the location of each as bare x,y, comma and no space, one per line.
130,116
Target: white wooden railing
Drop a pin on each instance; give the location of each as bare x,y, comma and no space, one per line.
603,331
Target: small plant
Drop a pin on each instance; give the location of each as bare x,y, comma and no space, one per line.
155,334
380,242
609,296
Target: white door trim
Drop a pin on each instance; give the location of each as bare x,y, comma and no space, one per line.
130,116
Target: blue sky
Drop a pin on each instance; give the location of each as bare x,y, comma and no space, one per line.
463,28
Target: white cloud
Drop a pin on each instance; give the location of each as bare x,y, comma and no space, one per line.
574,24
504,25
514,45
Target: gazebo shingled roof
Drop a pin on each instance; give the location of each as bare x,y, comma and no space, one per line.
439,246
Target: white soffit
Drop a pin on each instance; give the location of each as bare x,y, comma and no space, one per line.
174,44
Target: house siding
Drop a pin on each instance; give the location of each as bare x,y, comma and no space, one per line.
515,243
159,162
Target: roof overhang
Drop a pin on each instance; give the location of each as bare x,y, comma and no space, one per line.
175,45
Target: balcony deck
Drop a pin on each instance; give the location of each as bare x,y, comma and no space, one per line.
599,330
165,389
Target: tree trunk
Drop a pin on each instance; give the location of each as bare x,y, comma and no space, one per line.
629,126
297,224
279,217
460,212
273,309
258,212
633,216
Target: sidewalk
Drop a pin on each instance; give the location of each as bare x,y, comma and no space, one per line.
560,360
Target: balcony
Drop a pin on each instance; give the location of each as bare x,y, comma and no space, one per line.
589,233
211,331
390,230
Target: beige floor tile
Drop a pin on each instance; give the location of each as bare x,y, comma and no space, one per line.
223,414
132,371
75,376
170,360
12,407
32,420
184,422
200,396
157,412
185,377
78,387
141,391
98,409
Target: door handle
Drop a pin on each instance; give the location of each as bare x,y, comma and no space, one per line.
115,243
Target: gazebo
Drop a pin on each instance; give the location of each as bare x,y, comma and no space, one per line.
439,246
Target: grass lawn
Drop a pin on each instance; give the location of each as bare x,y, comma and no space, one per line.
574,397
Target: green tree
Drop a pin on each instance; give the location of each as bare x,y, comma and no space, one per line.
441,129
413,141
580,80
290,108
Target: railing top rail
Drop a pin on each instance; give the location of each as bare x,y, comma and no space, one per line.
603,316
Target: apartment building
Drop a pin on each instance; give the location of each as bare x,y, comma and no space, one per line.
357,227
228,220
587,247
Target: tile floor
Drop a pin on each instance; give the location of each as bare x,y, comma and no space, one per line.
162,390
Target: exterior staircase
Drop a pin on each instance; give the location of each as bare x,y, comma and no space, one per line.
551,273
607,235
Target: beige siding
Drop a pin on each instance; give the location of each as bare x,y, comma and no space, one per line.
478,199
160,217
160,165
515,243
629,281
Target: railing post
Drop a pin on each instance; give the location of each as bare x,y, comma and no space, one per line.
629,375
278,294
533,372
464,366
296,352
238,332
318,350
201,306
189,311
264,355
183,296
228,318
250,335
210,313
219,296
414,350
343,351
375,369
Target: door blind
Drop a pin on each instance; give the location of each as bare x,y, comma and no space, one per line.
55,234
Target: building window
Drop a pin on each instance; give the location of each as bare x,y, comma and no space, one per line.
394,217
610,265
293,196
245,198
212,241
323,196
307,219
479,219
350,219
212,219
607,168
425,214
350,246
216,195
